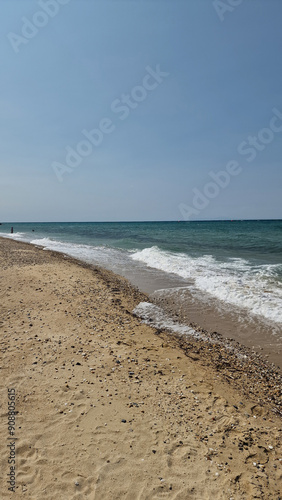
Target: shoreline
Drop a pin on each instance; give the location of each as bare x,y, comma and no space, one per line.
114,405
230,343
185,306
258,335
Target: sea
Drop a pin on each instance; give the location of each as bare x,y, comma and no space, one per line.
224,276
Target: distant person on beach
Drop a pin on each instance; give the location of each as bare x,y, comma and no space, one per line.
12,230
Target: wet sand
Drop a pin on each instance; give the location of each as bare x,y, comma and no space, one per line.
260,336
110,408
174,295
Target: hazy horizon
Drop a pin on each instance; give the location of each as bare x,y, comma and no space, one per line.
131,221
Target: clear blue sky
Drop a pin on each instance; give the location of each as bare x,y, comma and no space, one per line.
223,78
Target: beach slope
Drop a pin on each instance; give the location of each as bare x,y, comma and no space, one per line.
109,408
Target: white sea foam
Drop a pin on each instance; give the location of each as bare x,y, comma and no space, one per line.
15,236
235,281
155,316
100,255
93,254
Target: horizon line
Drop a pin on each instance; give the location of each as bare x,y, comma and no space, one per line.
137,221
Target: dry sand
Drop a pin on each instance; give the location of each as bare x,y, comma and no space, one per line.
109,408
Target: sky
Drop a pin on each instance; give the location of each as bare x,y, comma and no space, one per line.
119,110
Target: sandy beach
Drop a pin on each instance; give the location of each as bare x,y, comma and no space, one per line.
108,408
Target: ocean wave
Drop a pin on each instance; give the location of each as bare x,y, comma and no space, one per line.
15,236
108,257
235,281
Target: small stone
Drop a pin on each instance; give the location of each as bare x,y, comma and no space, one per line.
123,421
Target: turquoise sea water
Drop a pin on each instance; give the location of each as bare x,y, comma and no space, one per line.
238,263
